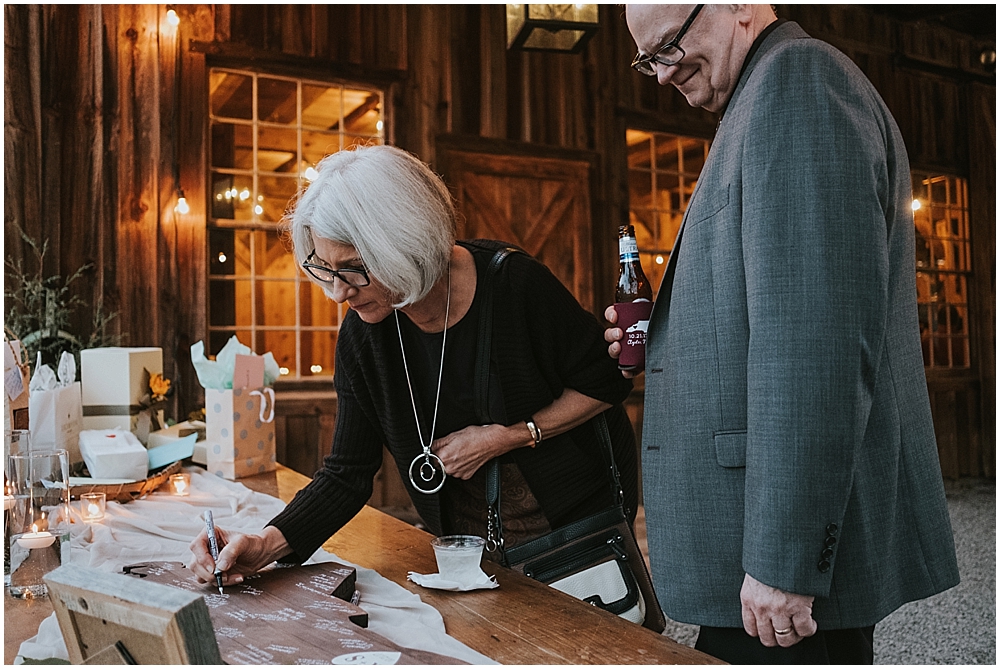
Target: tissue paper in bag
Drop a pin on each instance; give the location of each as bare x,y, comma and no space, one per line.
114,454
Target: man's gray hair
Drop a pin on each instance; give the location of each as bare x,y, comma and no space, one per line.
390,207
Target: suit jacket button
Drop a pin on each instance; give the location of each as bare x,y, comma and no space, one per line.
831,529
824,566
827,553
830,542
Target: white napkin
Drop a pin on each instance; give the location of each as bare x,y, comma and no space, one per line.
438,582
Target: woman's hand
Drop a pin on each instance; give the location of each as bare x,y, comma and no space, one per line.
240,555
464,451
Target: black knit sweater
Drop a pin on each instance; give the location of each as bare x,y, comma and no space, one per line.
543,342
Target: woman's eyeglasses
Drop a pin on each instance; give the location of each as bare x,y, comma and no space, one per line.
358,278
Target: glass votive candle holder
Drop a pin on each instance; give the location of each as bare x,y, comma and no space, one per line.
180,484
93,506
33,555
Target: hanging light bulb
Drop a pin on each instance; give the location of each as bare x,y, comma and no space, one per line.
172,18
311,173
915,205
182,206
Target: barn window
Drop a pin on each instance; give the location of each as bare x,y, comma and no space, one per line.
662,171
266,134
941,217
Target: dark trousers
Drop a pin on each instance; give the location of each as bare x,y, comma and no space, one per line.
735,646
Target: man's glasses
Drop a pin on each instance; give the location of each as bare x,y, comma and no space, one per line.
358,278
669,54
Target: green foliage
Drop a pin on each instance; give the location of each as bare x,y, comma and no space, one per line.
39,309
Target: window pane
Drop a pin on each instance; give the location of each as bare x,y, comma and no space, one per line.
317,145
219,338
638,149
276,303
315,307
231,95
231,196
668,187
362,112
281,343
275,192
232,146
320,106
277,149
276,101
318,353
229,302
669,225
693,155
640,189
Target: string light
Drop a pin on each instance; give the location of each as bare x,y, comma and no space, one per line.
915,205
182,206
311,174
172,18
222,257
316,369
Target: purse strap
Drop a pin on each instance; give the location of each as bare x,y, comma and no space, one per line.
494,524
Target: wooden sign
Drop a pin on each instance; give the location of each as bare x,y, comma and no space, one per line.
111,619
290,615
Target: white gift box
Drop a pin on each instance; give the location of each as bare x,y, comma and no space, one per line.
113,383
114,454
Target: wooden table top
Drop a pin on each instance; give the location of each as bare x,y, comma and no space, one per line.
521,622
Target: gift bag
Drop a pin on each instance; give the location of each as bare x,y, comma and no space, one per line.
240,432
55,408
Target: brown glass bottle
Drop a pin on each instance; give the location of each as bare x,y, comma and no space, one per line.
633,302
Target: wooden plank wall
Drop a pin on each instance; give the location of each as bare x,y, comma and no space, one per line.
98,123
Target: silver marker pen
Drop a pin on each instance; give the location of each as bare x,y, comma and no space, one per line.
213,546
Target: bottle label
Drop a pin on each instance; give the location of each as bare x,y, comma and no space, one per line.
633,319
628,249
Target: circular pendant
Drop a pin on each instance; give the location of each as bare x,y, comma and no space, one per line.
430,473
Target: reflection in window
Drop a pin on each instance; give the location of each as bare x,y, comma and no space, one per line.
266,135
941,218
662,171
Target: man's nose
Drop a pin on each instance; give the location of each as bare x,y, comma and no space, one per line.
664,73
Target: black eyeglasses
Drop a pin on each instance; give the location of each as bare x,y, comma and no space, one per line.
358,278
669,54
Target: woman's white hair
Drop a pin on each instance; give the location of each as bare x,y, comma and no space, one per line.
390,207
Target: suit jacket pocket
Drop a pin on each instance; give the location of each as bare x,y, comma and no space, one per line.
710,209
731,448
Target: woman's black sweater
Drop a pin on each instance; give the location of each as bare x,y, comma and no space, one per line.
543,342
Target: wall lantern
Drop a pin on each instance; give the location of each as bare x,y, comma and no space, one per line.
561,28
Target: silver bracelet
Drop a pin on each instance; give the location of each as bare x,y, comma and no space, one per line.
536,432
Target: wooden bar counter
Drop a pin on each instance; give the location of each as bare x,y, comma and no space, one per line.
521,622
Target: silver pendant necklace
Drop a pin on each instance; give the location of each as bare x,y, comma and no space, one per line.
427,465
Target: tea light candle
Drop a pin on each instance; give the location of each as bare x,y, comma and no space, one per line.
35,539
92,505
180,484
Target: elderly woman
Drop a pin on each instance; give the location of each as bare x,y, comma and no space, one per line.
376,229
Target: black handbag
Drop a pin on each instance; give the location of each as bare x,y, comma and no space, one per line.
595,559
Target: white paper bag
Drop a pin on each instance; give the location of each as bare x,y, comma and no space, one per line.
240,432
56,418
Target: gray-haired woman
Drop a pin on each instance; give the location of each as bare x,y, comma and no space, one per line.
376,229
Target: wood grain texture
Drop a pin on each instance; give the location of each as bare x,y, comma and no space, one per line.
521,622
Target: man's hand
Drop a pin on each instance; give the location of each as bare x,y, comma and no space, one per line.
767,611
613,336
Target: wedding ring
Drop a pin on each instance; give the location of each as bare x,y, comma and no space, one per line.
784,632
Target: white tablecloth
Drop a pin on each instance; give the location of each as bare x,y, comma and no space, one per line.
161,526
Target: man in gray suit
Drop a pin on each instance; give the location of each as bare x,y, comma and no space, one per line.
790,471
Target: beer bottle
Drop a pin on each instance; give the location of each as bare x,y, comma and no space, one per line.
633,302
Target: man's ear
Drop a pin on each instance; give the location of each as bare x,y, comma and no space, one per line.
744,13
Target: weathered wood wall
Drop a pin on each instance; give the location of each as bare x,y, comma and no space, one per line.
105,104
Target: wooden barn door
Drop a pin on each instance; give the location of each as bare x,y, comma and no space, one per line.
530,198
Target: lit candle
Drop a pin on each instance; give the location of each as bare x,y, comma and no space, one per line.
180,484
35,539
92,506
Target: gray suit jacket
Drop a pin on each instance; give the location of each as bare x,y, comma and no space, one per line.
787,431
